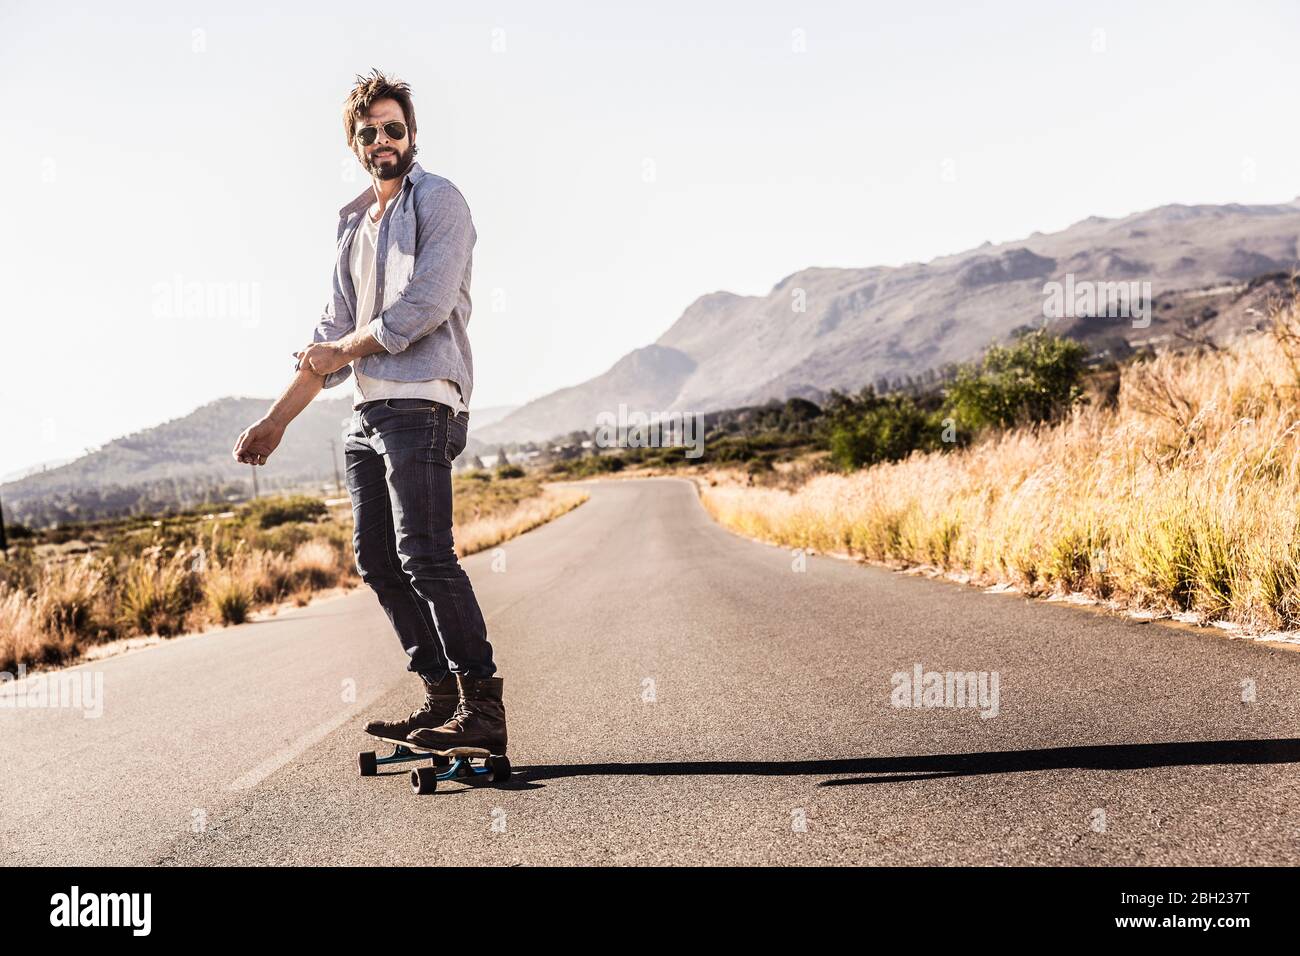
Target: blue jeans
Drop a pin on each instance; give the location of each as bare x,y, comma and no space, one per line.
399,453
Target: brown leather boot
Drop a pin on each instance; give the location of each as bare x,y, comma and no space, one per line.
479,720
440,701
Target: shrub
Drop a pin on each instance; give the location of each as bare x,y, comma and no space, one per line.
1034,379
316,564
872,428
66,597
283,538
21,569
156,595
23,638
588,465
269,512
230,593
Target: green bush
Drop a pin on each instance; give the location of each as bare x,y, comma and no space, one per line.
269,512
283,538
872,428
589,465
510,471
1034,379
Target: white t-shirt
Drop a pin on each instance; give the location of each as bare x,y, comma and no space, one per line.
366,388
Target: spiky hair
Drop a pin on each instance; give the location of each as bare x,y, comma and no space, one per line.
373,87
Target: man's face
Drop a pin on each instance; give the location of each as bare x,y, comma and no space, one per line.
386,157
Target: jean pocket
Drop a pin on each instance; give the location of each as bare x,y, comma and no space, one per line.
457,437
407,430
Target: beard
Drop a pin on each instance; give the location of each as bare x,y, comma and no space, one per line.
393,170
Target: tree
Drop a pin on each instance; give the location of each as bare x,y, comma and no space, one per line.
1034,379
871,428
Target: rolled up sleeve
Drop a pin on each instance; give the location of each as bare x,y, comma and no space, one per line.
331,329
337,377
444,243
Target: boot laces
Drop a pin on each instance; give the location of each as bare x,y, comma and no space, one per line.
425,708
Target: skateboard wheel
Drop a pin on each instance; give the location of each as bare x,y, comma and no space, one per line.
366,763
500,767
424,780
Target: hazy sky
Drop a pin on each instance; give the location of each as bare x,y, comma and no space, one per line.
619,163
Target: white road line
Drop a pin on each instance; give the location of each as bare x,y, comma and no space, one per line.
281,757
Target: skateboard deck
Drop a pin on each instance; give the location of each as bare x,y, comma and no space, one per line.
448,764
450,752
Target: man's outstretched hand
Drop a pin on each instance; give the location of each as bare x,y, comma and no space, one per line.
257,442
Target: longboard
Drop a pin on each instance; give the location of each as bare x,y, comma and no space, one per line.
454,762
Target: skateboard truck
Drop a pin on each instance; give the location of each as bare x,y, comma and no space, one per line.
450,764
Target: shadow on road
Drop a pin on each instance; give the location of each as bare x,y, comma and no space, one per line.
933,766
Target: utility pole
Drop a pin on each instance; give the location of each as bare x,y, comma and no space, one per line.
334,460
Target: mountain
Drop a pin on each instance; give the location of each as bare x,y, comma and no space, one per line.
187,461
649,377
861,326
482,417
34,469
180,462
1213,270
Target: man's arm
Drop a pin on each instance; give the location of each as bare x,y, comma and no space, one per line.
327,358
258,440
328,332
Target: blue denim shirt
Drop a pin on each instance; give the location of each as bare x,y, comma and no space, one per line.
422,272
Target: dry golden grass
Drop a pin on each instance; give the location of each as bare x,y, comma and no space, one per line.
316,564
487,532
24,635
50,612
1181,498
230,592
45,625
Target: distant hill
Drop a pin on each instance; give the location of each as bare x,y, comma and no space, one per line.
1212,270
483,417
862,326
180,462
186,461
34,469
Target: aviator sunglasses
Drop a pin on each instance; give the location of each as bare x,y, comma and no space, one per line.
394,131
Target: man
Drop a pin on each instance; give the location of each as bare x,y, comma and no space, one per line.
397,323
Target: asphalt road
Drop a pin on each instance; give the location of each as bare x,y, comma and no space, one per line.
678,694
